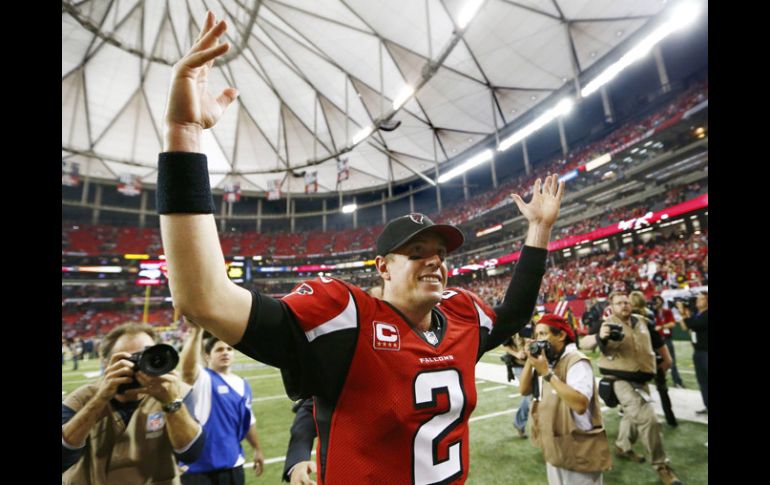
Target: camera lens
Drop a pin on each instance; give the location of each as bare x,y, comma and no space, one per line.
536,347
158,360
616,332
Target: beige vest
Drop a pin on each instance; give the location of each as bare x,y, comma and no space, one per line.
139,453
632,354
564,445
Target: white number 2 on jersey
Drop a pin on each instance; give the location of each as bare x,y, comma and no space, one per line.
426,469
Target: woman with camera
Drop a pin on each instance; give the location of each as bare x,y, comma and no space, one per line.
566,418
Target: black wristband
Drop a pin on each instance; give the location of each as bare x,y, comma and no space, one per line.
183,184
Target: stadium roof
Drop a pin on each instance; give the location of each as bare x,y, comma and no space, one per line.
313,73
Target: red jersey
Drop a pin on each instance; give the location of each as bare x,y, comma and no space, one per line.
661,317
402,415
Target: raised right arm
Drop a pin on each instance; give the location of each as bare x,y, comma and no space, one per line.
199,286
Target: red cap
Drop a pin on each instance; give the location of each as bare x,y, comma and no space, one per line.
556,321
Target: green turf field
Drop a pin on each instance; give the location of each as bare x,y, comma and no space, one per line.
498,456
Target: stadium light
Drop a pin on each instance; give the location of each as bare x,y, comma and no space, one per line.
405,93
568,176
478,159
681,15
562,108
349,208
684,14
598,162
468,12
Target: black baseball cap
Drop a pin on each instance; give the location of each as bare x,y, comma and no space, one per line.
400,230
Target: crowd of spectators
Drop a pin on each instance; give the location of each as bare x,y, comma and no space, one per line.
94,320
659,264
652,267
463,211
105,239
583,226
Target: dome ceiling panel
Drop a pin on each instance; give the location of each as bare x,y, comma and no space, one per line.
298,63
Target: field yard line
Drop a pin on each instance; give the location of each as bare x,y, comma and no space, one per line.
493,388
281,459
270,398
270,461
263,377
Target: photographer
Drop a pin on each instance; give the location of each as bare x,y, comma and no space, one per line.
566,417
129,437
515,358
662,356
627,357
697,323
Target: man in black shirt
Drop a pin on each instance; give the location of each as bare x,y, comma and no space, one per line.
698,326
297,466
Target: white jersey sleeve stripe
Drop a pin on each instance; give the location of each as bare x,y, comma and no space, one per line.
347,319
484,319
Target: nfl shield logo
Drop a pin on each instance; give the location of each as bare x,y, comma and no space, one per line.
154,422
431,337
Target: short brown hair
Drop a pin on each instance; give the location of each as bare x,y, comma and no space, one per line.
130,328
616,293
209,344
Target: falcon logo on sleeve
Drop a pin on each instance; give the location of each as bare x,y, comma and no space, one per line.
417,218
304,289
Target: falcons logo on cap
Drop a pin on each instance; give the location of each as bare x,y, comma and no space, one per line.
417,218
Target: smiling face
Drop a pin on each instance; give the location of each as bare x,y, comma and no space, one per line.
415,274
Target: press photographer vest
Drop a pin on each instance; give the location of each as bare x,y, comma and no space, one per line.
631,358
137,453
563,444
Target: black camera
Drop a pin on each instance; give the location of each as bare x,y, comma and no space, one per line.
509,364
154,361
689,303
508,359
538,346
616,331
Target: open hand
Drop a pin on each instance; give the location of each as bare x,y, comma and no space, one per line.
543,208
